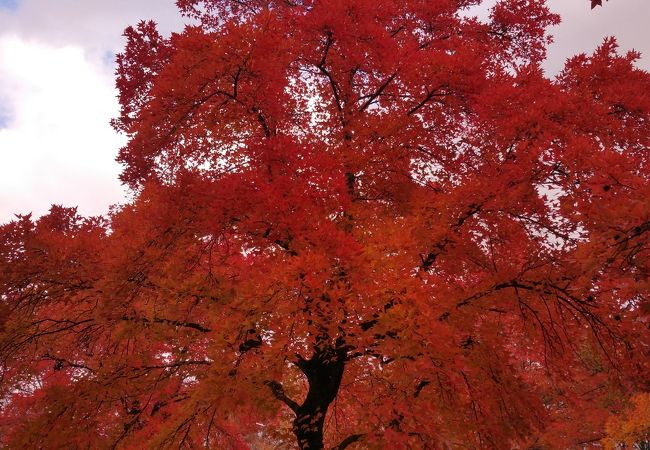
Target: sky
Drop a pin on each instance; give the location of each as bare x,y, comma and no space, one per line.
57,92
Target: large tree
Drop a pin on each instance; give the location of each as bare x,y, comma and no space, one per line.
374,224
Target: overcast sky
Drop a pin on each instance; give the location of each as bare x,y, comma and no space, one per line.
57,92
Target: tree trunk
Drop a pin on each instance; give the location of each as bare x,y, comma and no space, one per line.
324,372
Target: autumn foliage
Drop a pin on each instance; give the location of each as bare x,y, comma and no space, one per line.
369,224
595,3
633,426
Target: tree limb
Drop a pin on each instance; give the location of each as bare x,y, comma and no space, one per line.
348,441
176,323
278,392
378,92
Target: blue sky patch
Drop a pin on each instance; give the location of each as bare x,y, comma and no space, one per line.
108,57
5,114
9,4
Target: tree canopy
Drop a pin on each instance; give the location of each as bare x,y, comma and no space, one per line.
368,224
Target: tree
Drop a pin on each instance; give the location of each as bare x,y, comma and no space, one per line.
370,224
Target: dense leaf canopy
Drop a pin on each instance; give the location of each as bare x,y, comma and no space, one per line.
368,224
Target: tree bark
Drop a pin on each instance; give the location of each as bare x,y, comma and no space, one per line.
324,372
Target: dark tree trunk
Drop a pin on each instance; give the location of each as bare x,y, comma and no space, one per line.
324,372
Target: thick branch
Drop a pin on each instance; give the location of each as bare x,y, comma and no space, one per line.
328,75
176,323
378,92
433,93
262,121
428,260
278,392
348,441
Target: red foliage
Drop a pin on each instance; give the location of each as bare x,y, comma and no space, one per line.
371,223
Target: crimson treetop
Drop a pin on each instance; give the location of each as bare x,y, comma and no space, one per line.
372,223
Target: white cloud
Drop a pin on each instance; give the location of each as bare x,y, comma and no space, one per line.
582,30
57,145
96,25
57,97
